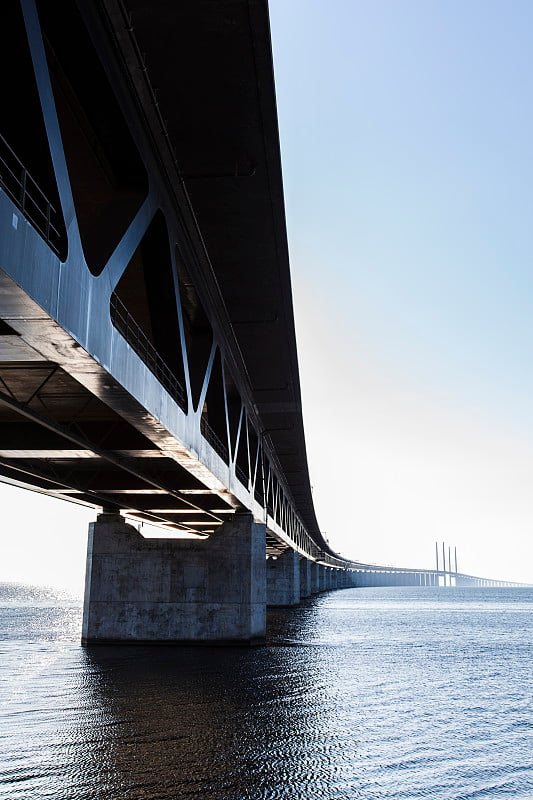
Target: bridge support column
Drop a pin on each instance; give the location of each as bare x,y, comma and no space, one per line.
283,579
315,584
327,579
321,578
175,590
305,577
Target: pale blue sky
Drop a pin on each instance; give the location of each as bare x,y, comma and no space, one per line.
407,140
407,143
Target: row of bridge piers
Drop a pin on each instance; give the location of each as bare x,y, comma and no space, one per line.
212,590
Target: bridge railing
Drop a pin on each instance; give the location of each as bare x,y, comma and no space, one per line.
216,443
24,191
29,197
141,344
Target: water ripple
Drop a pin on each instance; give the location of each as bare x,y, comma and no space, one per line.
371,694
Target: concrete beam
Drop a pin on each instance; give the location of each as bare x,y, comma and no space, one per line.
170,590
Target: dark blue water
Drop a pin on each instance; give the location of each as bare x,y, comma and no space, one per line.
361,693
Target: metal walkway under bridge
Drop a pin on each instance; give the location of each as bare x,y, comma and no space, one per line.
148,363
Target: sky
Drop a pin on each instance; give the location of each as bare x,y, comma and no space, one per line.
407,148
406,134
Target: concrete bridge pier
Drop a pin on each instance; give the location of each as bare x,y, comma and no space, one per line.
305,577
327,578
321,578
315,577
175,590
283,579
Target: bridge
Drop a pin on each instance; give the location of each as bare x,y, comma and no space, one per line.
148,362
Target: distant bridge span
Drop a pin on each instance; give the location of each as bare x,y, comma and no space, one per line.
148,362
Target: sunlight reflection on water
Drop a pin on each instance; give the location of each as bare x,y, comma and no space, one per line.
365,693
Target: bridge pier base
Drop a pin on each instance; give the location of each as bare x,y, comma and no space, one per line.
283,579
175,590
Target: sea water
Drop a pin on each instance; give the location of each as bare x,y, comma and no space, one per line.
360,693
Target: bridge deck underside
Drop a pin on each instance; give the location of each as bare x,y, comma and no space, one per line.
118,270
211,65
58,437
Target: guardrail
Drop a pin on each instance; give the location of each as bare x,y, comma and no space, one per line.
141,344
241,474
209,434
29,197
